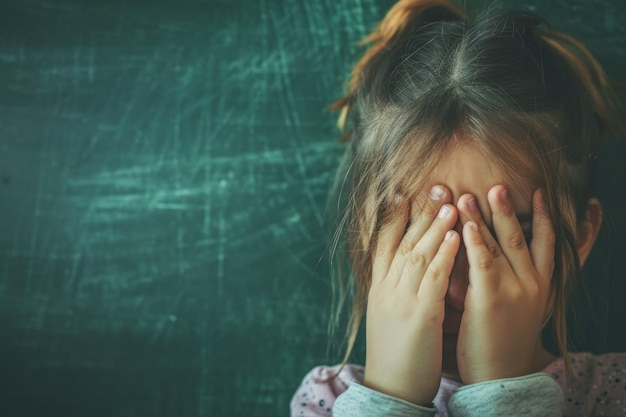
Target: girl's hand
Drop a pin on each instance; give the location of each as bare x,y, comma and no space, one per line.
509,294
405,308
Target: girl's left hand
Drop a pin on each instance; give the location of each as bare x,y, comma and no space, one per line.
508,299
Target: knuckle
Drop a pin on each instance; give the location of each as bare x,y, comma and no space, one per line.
516,241
494,250
550,237
430,210
433,273
405,247
428,207
485,262
515,295
418,259
534,289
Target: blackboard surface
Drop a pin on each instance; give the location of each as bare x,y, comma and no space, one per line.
164,167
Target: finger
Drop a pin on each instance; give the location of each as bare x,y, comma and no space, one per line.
509,232
542,243
424,209
482,265
419,259
469,211
435,282
389,238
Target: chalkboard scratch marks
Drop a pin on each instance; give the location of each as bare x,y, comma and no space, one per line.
74,276
358,10
288,102
34,236
79,69
221,255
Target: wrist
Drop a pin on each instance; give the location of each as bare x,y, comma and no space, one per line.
402,387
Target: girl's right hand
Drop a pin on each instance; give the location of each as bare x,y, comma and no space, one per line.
405,308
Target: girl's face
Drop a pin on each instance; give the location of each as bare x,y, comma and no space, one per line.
468,173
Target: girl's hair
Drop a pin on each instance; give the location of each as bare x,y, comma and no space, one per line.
535,100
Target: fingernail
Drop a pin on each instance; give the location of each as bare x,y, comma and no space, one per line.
437,193
473,226
504,195
471,204
449,234
444,212
542,194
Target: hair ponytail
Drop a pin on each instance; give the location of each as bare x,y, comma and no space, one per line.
403,18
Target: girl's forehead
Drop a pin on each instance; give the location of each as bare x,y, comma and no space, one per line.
467,169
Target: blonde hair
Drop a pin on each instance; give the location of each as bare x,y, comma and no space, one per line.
432,76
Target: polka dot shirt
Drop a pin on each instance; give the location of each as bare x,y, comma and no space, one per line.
597,388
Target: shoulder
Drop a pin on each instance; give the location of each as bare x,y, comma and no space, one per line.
321,387
598,383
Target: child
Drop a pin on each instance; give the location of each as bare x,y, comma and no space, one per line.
468,216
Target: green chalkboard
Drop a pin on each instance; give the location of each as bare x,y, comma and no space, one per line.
164,167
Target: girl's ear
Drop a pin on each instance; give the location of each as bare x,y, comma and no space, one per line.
587,231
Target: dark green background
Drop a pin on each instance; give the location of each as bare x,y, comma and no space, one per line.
163,174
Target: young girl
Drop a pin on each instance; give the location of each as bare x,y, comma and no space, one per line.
468,216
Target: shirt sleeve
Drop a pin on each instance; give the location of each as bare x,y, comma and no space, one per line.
360,401
320,388
531,395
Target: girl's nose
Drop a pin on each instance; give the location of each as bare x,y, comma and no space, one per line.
459,280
